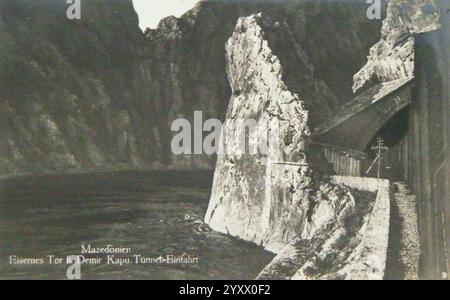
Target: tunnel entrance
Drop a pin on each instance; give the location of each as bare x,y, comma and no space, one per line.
392,134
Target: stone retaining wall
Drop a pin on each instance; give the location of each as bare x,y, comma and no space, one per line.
368,259
368,262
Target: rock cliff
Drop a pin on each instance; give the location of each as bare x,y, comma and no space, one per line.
74,93
392,58
272,197
277,199
98,93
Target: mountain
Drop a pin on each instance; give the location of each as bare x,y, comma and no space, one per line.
97,93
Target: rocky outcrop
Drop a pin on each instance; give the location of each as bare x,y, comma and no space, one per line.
98,93
354,251
392,58
271,198
189,66
74,92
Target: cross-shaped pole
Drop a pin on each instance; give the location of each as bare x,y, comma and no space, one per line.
379,148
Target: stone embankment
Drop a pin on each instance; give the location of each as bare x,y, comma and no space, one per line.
366,256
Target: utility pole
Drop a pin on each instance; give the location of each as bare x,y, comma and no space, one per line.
379,148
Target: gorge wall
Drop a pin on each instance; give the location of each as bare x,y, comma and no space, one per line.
273,197
74,93
393,57
274,203
98,93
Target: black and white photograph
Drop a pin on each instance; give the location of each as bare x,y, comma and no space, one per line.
225,140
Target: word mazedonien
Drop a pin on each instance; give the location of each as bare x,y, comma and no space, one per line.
109,249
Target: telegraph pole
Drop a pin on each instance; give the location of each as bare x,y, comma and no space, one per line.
379,148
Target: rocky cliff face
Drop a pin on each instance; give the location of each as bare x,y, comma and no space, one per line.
392,58
74,93
192,47
98,93
276,198
271,198
189,68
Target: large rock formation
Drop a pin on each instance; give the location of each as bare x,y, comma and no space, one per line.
392,58
98,93
272,197
74,93
189,65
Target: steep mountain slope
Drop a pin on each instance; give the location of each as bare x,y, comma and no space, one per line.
73,91
271,197
98,93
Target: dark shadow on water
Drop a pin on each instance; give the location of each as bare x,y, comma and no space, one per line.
102,183
153,213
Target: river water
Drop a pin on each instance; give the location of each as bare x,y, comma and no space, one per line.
151,214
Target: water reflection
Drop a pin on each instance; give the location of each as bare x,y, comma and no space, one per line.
154,214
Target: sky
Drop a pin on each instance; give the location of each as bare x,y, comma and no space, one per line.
152,11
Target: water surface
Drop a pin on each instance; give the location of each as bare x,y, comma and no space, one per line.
154,214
